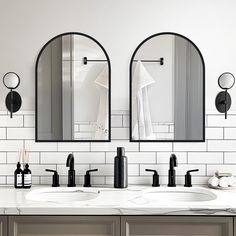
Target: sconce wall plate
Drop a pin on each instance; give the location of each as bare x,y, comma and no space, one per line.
220,102
13,101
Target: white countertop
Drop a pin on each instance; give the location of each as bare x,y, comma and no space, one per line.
112,201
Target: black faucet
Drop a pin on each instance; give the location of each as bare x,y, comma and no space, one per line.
171,176
71,171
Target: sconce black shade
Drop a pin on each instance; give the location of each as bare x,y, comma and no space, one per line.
13,101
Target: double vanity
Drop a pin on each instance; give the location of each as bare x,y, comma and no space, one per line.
137,210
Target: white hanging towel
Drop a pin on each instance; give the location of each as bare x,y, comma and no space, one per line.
101,132
141,118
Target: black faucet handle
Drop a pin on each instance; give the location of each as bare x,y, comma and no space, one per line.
150,170
188,178
87,182
155,181
49,170
93,170
55,178
194,170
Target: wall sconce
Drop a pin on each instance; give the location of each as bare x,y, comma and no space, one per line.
13,99
223,99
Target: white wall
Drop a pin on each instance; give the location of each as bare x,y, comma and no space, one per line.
26,25
120,25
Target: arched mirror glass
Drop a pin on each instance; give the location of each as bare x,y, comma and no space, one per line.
167,94
73,90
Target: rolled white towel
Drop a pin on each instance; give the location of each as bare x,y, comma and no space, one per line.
213,181
232,181
223,182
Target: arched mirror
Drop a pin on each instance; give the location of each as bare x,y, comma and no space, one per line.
167,90
73,90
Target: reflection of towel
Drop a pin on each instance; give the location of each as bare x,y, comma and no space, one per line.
101,132
102,78
141,118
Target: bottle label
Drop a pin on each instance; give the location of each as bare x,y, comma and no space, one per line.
19,180
27,179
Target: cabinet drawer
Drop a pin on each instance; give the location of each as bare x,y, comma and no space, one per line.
64,225
3,225
177,226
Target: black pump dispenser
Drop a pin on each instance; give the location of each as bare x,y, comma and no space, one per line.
120,169
18,176
26,177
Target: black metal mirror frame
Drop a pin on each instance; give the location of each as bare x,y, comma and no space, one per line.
130,89
36,90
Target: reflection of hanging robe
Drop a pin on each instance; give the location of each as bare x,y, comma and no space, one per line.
141,118
101,132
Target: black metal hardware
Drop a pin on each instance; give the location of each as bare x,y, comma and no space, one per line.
71,171
130,91
223,99
223,102
87,182
155,181
13,102
171,175
188,179
161,61
120,169
55,178
13,99
86,60
37,69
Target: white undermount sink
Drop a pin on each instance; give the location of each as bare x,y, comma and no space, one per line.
61,194
179,194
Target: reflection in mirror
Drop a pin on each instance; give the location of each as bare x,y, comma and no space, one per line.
73,95
167,94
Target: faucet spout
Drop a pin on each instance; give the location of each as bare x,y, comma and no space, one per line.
70,161
173,161
171,173
71,171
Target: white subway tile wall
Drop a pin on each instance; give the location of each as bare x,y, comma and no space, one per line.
217,153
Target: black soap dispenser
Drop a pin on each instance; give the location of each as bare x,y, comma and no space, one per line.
26,177
18,176
120,169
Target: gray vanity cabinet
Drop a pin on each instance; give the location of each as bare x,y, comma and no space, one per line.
176,226
3,226
64,225
118,226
